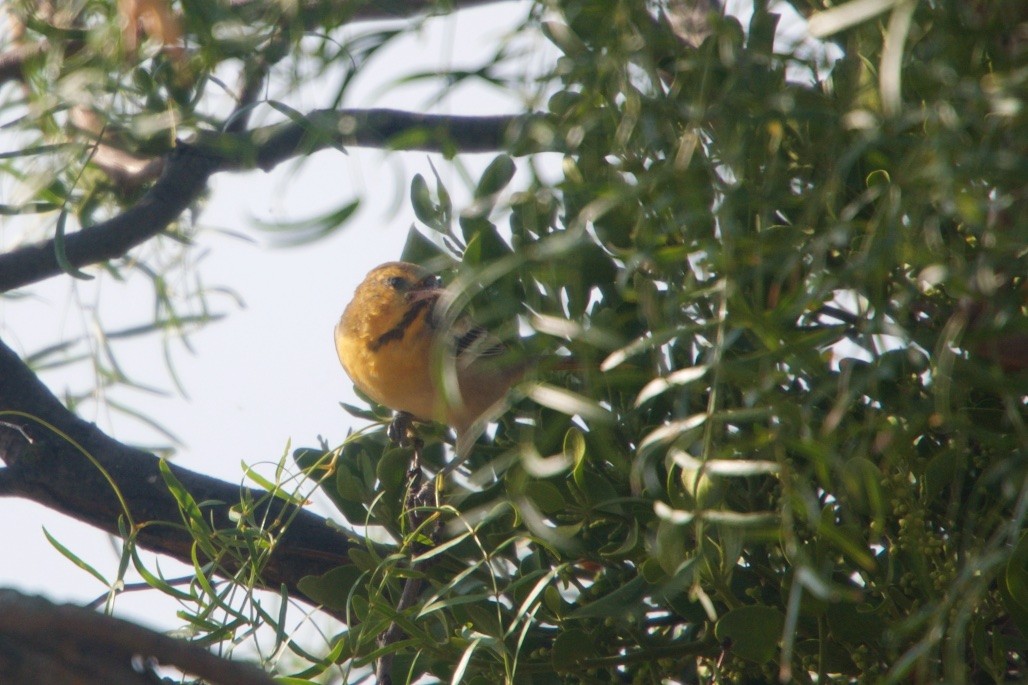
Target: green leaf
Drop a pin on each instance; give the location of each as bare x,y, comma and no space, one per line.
496,176
465,659
851,624
484,244
1016,584
60,253
334,588
624,600
753,632
393,467
270,486
546,496
427,211
571,648
68,554
307,231
567,402
190,509
673,380
418,249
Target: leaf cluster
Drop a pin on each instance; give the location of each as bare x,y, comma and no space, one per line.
792,447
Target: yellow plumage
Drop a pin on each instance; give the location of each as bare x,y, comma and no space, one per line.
388,339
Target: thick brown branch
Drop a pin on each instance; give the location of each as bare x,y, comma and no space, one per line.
41,642
54,472
338,11
188,168
184,178
320,129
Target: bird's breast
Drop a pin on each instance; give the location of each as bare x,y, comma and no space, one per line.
393,370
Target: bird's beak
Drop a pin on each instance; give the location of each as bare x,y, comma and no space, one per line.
427,289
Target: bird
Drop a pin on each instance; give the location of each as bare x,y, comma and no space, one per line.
398,350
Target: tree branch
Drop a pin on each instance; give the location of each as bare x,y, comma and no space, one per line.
53,471
188,168
324,128
184,178
41,642
12,62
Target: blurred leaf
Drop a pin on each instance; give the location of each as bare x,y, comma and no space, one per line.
334,588
60,253
674,379
496,176
751,632
306,231
1016,577
566,402
570,648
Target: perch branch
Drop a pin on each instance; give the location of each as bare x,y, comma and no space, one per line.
53,471
41,642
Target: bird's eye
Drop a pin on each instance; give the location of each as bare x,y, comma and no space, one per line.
398,283
432,281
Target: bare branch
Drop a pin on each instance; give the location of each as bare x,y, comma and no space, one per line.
55,471
55,641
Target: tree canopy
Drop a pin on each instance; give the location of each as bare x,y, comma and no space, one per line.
791,278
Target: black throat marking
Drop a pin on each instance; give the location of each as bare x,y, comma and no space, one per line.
400,329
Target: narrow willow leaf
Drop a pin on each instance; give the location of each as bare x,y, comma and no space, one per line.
465,659
649,342
439,549
670,431
672,380
538,466
305,231
537,589
70,556
271,487
60,253
840,18
727,518
155,581
725,467
556,326
891,68
567,402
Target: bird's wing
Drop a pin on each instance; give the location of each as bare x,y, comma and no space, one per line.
471,342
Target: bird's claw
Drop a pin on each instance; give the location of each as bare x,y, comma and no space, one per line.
400,429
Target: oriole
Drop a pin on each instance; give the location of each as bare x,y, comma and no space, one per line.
389,338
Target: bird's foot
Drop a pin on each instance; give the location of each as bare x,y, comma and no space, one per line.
401,429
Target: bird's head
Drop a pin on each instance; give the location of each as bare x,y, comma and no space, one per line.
390,290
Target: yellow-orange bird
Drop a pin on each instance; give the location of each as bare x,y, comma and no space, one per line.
390,337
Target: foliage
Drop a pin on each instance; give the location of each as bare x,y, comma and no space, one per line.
794,445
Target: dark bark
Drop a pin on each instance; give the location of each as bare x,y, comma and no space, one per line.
54,470
320,129
183,180
189,167
44,643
